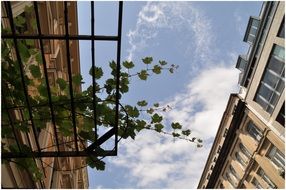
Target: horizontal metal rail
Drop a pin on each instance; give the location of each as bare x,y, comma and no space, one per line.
60,37
8,155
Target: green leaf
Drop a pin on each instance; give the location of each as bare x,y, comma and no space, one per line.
140,125
156,105
98,73
147,60
156,69
143,75
87,135
77,79
124,88
112,65
34,24
199,140
22,127
150,111
38,58
35,71
175,134
42,89
158,127
132,111
128,64
186,132
24,51
176,125
142,103
62,83
30,42
95,163
156,118
19,21
66,127
162,62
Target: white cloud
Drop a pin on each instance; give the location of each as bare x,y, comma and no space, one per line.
159,162
155,161
175,16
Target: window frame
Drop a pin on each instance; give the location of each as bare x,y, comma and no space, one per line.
255,132
274,155
269,101
260,172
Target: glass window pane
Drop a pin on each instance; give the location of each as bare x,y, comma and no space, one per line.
265,92
255,22
281,33
274,99
280,86
254,132
261,102
250,38
253,31
270,79
279,52
275,65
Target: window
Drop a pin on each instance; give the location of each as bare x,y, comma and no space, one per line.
276,157
229,179
254,132
233,172
265,178
240,160
281,115
241,63
252,29
244,150
256,183
281,32
272,83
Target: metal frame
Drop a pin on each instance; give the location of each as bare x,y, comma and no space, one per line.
93,149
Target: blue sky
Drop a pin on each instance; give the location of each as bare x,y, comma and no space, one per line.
204,39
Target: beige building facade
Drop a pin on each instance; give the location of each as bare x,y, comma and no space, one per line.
249,148
75,170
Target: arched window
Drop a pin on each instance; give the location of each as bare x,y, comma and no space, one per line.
244,150
233,172
254,132
229,179
240,160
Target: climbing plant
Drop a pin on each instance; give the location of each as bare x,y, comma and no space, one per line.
132,118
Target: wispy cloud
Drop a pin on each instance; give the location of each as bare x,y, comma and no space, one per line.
155,161
175,16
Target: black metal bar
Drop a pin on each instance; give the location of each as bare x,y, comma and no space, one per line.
93,73
118,72
97,152
10,15
46,74
60,37
102,139
70,74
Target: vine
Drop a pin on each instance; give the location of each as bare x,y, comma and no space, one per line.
132,118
